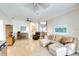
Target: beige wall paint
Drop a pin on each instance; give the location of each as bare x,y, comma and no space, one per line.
71,19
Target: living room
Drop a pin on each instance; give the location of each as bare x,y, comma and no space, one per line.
30,29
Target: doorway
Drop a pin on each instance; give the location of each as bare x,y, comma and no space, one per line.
9,36
9,29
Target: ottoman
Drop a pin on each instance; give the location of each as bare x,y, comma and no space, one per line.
44,42
57,49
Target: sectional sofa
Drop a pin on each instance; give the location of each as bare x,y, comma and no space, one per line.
59,45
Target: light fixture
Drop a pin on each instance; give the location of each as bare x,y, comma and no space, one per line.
28,20
36,6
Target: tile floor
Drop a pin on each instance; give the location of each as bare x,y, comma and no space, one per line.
3,52
28,47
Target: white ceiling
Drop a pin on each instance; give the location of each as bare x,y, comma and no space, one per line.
20,11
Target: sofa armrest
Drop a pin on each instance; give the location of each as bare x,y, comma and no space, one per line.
71,46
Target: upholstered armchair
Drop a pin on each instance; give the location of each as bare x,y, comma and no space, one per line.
36,36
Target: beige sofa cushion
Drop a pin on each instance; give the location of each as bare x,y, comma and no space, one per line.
51,37
66,40
58,38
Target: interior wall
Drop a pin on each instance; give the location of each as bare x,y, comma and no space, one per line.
17,24
70,19
2,32
7,21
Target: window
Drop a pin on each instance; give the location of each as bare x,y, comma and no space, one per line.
43,27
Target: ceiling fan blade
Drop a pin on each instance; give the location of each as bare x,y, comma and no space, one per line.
45,5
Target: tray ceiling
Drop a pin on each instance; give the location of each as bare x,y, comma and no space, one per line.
35,10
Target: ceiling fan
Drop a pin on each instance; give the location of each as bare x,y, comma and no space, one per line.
36,6
28,20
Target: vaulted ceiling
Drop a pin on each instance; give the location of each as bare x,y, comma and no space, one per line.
27,10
